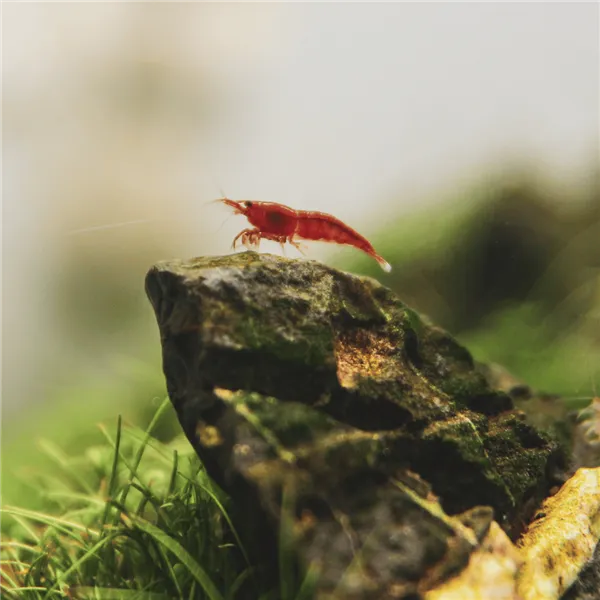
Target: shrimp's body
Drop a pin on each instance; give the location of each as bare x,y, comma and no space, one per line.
279,223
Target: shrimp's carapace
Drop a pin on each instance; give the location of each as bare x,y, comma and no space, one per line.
273,221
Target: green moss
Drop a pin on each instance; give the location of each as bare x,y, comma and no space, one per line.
464,387
514,447
343,453
413,320
292,422
463,435
311,345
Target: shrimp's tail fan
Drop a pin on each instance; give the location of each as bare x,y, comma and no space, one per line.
384,264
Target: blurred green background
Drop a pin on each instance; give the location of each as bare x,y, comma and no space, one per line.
462,139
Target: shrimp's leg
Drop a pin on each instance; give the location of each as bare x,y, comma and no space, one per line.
244,234
296,245
253,239
281,239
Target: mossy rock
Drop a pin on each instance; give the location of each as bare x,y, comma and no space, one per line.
290,377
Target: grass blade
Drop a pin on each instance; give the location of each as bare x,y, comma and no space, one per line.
75,566
181,553
173,479
61,525
59,458
287,574
98,593
133,469
309,583
113,472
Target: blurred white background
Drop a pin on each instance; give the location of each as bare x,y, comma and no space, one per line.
139,113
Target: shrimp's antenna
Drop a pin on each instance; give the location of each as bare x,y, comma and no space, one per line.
218,185
223,195
109,226
225,221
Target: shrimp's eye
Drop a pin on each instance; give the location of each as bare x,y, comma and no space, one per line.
248,204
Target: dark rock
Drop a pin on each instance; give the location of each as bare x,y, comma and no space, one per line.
586,442
577,431
290,377
587,586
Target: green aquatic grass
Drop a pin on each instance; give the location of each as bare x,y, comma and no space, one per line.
131,518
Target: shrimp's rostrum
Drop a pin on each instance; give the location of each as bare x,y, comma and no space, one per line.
279,223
